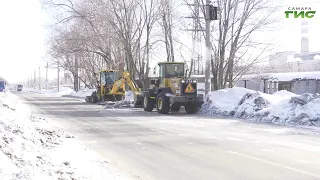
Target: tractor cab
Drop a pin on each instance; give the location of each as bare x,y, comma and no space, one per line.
108,77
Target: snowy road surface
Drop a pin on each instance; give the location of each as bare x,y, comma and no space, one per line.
178,146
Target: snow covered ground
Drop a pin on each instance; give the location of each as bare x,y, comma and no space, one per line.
81,93
61,91
31,148
64,91
282,107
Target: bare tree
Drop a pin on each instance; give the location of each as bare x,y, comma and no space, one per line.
133,22
105,33
77,32
238,22
166,15
234,49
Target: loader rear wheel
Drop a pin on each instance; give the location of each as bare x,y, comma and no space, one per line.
94,97
100,96
163,104
191,108
148,103
87,99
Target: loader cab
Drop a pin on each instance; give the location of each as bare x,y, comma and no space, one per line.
169,70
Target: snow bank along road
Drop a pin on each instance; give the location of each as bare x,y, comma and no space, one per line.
178,146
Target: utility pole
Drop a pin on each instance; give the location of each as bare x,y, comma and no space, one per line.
29,81
34,78
208,49
76,77
79,82
47,76
196,62
58,76
39,78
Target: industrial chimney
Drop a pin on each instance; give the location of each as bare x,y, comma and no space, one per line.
304,37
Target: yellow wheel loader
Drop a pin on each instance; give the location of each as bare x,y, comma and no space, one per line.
112,86
172,90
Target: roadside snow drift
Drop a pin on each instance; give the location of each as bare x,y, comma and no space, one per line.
31,149
282,107
62,91
81,93
65,91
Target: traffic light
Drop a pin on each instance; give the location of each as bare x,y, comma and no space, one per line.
213,13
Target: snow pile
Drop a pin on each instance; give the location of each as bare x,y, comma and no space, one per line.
62,91
282,107
297,110
65,91
127,103
31,149
118,105
81,93
283,93
42,91
129,96
223,102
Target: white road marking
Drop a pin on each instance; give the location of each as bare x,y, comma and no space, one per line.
276,164
235,139
304,162
268,150
256,141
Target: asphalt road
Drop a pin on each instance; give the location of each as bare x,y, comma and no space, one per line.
178,146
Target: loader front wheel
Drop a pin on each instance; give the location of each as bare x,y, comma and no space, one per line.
163,104
148,103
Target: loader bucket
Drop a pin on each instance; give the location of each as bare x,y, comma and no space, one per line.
93,98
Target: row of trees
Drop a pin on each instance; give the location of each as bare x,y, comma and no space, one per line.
90,35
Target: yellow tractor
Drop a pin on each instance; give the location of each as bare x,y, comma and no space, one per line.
172,90
112,86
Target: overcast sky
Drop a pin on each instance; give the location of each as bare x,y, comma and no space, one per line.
22,38
22,35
